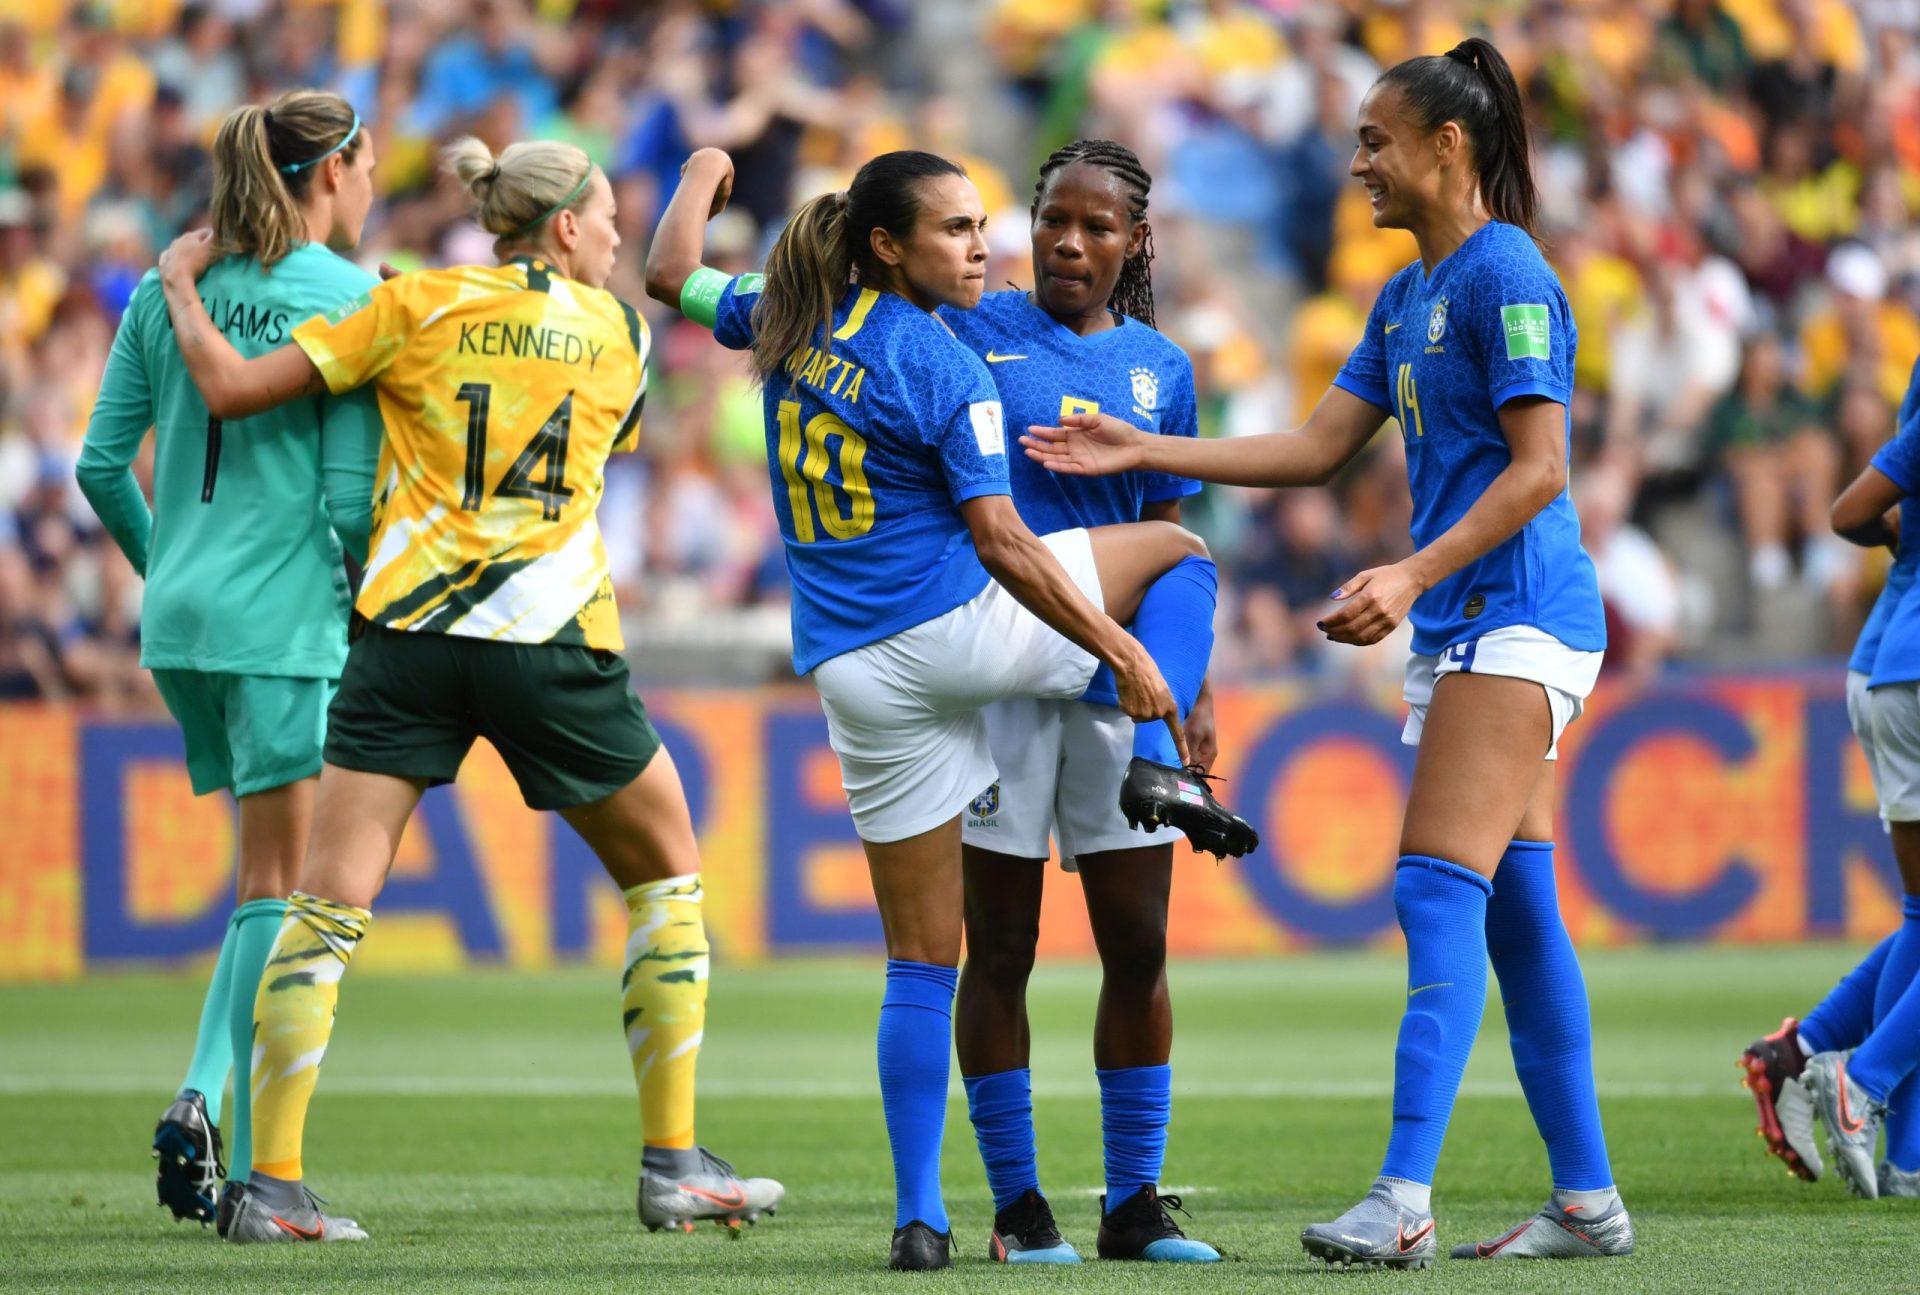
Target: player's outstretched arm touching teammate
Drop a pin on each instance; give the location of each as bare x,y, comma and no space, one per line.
1378,599
231,385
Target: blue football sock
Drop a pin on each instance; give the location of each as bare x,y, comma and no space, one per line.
1175,625
1892,1051
1001,1107
1443,910
213,1046
1903,1125
916,1038
1845,1016
1548,1023
1135,1104
256,924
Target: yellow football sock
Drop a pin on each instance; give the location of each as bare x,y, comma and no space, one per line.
292,1020
664,1001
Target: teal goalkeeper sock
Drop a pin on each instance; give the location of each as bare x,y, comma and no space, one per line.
251,933
213,1045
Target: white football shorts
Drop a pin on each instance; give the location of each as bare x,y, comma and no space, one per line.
904,713
1893,751
1516,652
1060,765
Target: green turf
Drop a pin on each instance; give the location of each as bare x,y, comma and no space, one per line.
483,1128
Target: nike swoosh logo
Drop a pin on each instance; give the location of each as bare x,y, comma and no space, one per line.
302,1233
730,1201
1390,327
1409,1242
1849,1123
1488,1249
1438,984
996,358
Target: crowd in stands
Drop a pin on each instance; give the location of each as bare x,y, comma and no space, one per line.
1729,190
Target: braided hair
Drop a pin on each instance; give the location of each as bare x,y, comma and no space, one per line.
1133,292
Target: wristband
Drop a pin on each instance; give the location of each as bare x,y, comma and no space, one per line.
700,296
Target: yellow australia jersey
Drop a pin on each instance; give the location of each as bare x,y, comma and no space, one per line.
503,389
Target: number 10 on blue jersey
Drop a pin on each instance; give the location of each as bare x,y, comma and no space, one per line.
804,459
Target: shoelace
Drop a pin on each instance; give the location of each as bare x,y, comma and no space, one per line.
715,1163
1167,1205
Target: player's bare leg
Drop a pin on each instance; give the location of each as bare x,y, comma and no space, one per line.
643,836
918,887
357,824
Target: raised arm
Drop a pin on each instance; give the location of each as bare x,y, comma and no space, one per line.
706,181
231,385
1028,570
1100,444
1376,600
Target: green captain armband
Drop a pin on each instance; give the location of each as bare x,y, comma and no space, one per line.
700,296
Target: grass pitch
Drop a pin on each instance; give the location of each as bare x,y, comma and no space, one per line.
483,1128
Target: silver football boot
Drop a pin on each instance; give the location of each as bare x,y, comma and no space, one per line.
1558,1232
1379,1232
1853,1121
254,1221
707,1189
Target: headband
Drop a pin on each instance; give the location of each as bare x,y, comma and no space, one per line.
557,207
314,161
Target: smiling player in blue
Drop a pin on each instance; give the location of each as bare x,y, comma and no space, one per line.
1471,348
1082,341
920,595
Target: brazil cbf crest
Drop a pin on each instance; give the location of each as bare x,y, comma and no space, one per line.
1146,391
987,803
1437,321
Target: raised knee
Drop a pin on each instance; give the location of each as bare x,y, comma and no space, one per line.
1193,545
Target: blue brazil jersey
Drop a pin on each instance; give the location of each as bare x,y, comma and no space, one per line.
1899,461
1442,353
873,442
1044,371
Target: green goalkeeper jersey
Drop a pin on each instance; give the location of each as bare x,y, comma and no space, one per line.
242,548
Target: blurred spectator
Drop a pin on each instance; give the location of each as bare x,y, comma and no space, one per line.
1637,584
1782,463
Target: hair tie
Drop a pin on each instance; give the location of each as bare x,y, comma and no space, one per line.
1466,58
556,208
267,115
493,172
843,199
315,161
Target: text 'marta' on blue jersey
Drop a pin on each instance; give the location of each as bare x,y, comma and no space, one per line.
1045,371
1442,353
1888,650
873,443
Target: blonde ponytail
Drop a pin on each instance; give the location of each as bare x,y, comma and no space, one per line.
517,192
263,165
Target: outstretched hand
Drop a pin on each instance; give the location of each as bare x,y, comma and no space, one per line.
1087,445
1372,605
189,255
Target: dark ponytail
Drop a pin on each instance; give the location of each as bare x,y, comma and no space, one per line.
1472,84
827,244
1133,291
